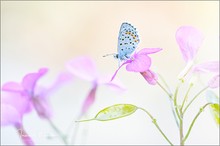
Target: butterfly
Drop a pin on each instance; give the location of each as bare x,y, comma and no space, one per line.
128,41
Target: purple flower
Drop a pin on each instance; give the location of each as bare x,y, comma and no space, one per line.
84,67
20,98
150,77
26,95
209,67
189,40
140,62
15,102
13,107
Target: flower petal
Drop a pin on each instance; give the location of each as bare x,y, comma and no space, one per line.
189,40
89,100
147,51
30,80
187,72
40,100
115,84
214,82
12,87
206,67
63,78
42,107
126,62
83,67
150,77
9,115
20,103
26,139
140,63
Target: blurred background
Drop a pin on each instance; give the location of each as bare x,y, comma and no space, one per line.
48,34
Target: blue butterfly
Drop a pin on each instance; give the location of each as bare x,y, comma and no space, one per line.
128,40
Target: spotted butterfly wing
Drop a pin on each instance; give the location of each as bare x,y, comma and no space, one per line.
128,40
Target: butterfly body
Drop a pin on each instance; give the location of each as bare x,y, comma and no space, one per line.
128,40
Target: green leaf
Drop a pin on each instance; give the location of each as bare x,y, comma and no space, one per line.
214,107
215,112
114,112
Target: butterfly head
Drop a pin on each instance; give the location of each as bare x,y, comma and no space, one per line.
115,56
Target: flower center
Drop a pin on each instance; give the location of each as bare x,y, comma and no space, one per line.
132,58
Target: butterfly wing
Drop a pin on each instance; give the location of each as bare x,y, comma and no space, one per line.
128,40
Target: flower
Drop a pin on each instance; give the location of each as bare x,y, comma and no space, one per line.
19,98
13,107
141,62
15,102
84,67
209,67
30,94
189,40
150,77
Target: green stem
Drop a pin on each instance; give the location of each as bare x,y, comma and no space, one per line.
74,130
197,115
171,102
181,129
62,137
169,94
179,113
73,139
181,116
86,120
186,96
164,82
175,101
155,123
197,95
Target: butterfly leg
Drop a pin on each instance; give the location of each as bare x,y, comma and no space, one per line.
127,56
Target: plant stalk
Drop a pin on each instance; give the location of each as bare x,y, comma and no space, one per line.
62,137
171,102
181,129
193,121
155,123
197,95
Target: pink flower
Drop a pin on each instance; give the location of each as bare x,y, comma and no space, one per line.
84,67
189,40
150,77
19,98
30,95
15,102
13,107
141,62
209,67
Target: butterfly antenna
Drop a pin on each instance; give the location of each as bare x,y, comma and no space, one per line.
108,55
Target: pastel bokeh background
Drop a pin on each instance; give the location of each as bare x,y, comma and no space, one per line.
48,34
